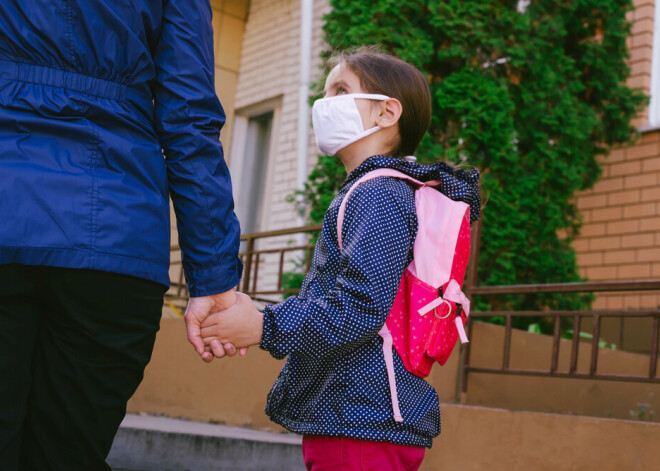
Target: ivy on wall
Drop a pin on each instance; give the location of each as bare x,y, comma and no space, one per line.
534,95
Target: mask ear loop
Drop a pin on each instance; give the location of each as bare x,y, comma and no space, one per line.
368,96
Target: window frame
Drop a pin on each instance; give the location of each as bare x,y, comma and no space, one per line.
238,161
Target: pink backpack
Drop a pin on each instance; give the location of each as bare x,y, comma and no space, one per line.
429,309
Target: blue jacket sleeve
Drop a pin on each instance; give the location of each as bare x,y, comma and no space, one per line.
379,227
188,120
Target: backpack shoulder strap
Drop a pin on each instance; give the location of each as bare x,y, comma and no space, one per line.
381,172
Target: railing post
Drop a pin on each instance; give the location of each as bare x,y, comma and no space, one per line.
507,342
593,367
248,265
181,284
280,270
555,345
255,278
308,260
469,285
654,348
576,344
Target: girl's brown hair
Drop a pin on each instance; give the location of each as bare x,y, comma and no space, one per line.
385,74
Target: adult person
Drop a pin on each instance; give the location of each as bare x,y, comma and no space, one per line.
92,94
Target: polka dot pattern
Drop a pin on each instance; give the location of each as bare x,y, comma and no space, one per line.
334,381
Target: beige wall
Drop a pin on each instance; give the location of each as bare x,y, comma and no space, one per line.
477,439
613,399
178,384
233,391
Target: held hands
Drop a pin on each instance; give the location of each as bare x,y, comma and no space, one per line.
199,308
237,326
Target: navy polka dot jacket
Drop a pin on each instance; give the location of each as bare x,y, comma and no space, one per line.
334,381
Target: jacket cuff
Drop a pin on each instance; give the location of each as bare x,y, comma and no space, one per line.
267,334
213,280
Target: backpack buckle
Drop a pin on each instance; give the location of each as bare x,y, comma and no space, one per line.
432,307
435,313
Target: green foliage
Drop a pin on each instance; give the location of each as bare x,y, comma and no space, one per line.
292,280
533,99
322,185
644,411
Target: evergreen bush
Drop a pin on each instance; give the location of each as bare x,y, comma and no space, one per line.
534,95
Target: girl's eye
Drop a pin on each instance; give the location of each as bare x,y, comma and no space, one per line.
340,90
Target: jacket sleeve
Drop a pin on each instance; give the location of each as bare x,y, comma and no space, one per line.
188,120
379,227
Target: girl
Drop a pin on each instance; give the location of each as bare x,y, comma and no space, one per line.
333,388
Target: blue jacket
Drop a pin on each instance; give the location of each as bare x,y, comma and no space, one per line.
334,381
92,94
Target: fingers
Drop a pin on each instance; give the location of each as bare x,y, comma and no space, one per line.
194,333
207,357
230,350
208,332
217,348
212,325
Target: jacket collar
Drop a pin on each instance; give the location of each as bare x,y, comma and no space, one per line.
458,184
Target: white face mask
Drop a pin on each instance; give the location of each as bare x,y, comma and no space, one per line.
337,122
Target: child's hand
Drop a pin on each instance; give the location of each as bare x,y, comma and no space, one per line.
240,326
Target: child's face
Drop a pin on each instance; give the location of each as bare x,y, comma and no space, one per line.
342,80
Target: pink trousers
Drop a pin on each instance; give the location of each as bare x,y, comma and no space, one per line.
323,453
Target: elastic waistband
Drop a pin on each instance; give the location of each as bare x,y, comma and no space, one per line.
73,81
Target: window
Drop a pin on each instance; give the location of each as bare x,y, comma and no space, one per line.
250,163
252,182
654,105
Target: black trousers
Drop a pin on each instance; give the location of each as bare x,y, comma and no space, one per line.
73,348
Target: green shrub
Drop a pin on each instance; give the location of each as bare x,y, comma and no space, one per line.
534,99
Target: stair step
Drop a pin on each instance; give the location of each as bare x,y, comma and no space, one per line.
150,443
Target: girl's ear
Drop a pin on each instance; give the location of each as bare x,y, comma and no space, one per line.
390,112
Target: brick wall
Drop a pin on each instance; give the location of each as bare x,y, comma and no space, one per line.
270,71
620,237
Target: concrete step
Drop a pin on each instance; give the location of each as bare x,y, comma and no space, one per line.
149,443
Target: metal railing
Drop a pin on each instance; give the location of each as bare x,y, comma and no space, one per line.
252,259
250,284
177,296
577,316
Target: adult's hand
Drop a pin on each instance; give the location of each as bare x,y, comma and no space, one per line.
199,308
